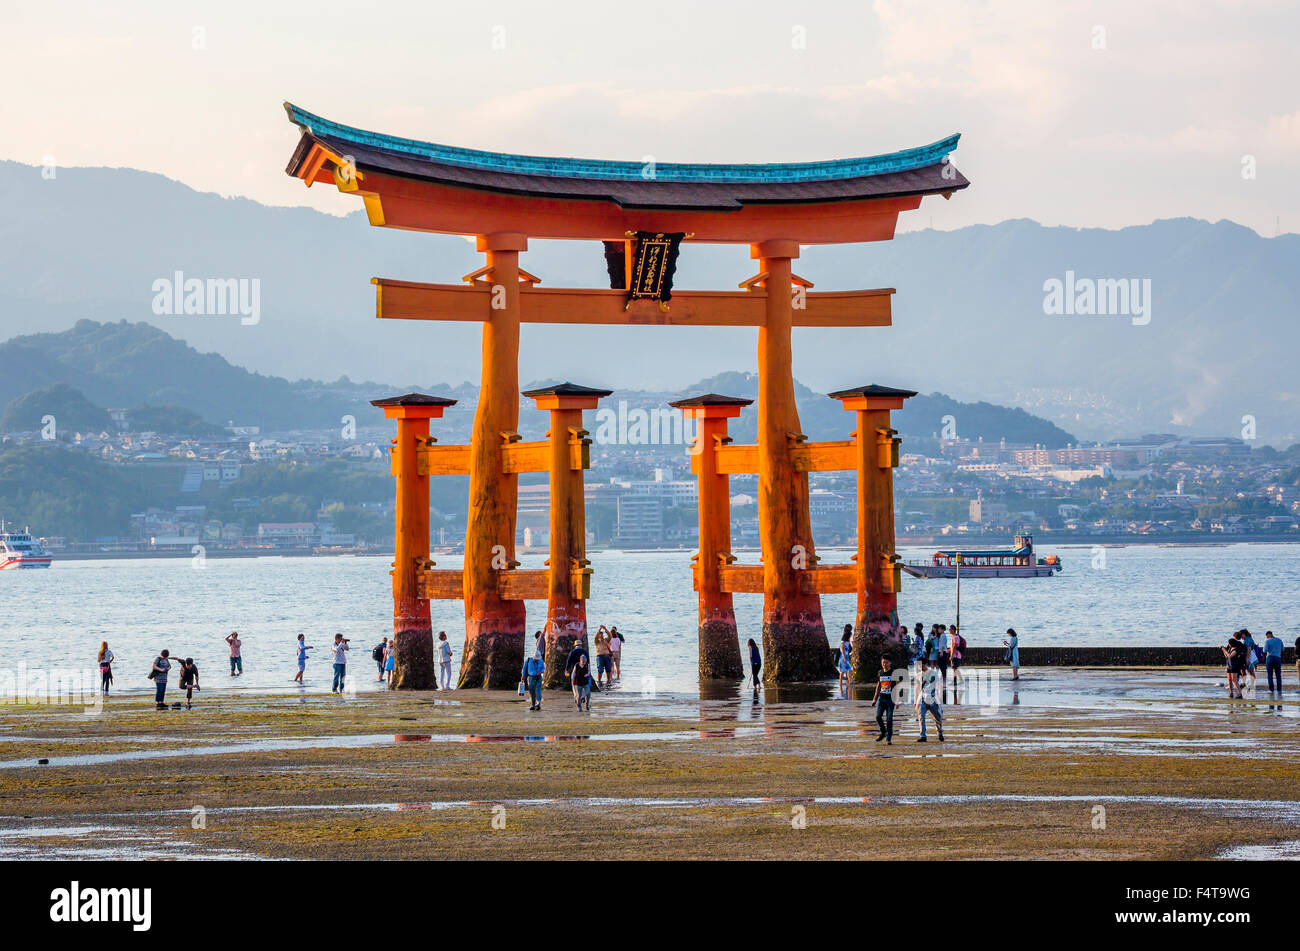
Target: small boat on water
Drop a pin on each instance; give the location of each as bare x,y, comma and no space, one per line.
21,550
1015,562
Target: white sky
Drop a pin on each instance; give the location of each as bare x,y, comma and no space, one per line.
1154,125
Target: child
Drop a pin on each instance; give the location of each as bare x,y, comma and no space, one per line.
302,657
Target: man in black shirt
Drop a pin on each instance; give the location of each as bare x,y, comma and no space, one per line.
189,680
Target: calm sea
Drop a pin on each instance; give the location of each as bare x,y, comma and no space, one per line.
1139,595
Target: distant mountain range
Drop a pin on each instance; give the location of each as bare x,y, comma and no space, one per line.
970,318
79,373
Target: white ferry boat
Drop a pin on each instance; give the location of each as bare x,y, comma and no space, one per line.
21,550
1016,562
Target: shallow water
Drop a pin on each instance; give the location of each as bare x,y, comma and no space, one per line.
1144,594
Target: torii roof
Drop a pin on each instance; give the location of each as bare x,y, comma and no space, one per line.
632,185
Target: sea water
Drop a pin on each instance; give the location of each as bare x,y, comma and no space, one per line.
1132,595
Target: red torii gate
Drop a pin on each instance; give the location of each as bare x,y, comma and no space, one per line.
504,199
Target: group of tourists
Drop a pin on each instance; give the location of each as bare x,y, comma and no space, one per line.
577,667
384,654
1243,654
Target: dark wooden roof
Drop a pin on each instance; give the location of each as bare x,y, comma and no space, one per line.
711,399
874,389
566,389
414,399
919,171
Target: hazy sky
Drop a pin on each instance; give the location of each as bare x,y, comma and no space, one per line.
1092,114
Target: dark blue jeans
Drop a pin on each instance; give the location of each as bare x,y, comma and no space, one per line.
339,670
1274,665
535,689
159,688
933,708
885,715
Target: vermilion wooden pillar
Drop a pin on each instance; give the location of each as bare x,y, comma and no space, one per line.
878,573
414,667
794,636
494,627
720,657
569,575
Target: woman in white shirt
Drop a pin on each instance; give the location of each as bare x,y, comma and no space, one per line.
616,650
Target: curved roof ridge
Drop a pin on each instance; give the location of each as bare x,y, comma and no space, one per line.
776,173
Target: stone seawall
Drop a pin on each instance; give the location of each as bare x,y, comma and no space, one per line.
1107,657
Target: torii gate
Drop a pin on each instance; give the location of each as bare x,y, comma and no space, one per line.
505,199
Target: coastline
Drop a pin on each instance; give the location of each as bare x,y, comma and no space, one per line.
473,774
903,541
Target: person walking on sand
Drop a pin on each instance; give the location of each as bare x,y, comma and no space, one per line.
444,661
616,651
845,662
390,660
928,700
577,653
236,653
340,651
581,679
1012,644
158,674
106,667
530,678
302,657
189,681
378,655
755,662
944,647
1252,656
883,701
1273,660
956,648
1234,657
604,657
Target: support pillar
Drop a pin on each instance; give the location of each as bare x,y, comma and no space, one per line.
794,637
494,627
878,572
414,667
720,657
569,571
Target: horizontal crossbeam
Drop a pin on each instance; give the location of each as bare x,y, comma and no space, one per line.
818,579
517,584
806,457
407,300
435,459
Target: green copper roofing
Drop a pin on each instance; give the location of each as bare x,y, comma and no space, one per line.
785,172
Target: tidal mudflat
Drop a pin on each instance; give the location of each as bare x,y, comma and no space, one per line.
1093,764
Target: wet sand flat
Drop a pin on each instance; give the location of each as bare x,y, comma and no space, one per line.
1095,764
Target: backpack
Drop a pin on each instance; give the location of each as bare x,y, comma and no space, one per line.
929,647
378,653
